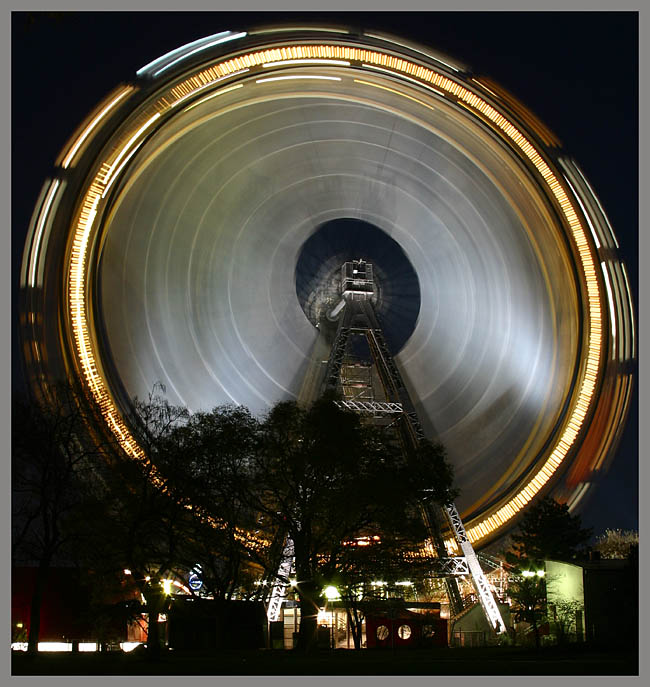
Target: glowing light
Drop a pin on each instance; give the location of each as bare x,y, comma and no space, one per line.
55,646
321,618
293,583
129,646
127,571
331,593
167,587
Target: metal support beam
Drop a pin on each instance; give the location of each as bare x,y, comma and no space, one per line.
372,407
279,589
479,579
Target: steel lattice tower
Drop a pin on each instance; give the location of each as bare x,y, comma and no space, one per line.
357,318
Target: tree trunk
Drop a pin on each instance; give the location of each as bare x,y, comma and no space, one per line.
308,592
155,601
355,626
42,573
536,632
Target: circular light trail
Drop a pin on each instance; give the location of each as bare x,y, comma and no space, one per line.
164,249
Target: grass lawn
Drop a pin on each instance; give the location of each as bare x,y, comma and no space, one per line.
476,661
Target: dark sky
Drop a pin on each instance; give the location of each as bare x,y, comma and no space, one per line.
578,71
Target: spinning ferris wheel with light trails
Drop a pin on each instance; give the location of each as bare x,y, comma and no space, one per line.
190,230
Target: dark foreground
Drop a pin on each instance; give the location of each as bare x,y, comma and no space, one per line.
479,661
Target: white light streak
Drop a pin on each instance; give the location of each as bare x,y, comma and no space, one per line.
284,78
577,496
185,55
588,185
298,28
629,300
610,300
42,218
180,51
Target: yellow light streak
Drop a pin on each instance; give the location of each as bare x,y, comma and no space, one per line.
207,85
286,78
402,77
117,172
130,142
213,95
306,60
392,90
87,131
411,47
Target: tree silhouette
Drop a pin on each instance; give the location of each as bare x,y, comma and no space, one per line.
547,531
324,478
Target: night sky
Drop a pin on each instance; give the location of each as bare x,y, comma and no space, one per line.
577,71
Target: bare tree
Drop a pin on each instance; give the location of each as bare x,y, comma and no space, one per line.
616,543
52,457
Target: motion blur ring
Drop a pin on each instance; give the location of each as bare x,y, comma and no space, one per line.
164,249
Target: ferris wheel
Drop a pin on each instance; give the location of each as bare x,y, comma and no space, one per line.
193,224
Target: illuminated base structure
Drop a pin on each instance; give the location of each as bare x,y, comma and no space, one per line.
164,248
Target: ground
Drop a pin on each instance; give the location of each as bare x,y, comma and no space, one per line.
476,661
